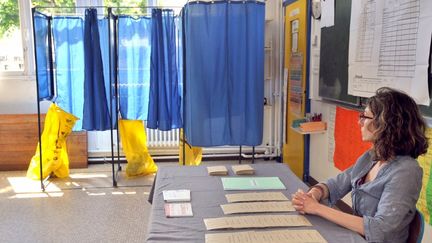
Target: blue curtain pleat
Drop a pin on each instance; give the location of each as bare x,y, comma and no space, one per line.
179,50
96,113
134,47
45,86
164,101
68,33
224,48
105,47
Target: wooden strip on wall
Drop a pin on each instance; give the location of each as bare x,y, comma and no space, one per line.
19,138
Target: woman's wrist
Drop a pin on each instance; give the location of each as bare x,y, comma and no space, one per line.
317,192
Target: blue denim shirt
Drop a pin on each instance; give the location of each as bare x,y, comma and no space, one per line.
388,203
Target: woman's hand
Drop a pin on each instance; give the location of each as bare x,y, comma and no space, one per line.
315,193
305,202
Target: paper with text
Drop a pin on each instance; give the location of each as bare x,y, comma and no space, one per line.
181,195
273,236
327,13
256,221
252,183
257,207
331,131
256,196
217,170
389,45
243,169
173,210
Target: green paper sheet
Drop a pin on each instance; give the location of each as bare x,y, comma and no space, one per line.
252,183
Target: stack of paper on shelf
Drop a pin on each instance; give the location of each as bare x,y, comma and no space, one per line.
243,169
313,126
182,195
173,210
217,170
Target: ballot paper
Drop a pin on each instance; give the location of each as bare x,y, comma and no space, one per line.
243,169
174,210
256,221
256,197
273,236
252,183
217,170
182,195
257,207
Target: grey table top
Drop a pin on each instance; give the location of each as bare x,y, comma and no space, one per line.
207,195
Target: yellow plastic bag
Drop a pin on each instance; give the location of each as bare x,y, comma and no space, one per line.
134,141
58,125
193,154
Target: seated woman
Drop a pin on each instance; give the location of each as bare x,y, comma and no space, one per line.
385,182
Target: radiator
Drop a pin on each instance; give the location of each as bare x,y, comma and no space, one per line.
156,138
159,143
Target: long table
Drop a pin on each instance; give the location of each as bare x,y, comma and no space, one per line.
207,195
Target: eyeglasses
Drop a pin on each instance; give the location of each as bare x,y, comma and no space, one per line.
363,117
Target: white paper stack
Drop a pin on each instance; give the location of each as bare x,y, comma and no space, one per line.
182,195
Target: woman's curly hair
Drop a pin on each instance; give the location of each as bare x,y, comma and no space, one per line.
400,128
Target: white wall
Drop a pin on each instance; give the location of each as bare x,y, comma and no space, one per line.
18,96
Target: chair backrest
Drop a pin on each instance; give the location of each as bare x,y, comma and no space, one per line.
416,228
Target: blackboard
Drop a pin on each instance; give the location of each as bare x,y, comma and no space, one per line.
427,110
333,78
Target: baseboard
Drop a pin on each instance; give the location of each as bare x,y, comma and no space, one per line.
340,204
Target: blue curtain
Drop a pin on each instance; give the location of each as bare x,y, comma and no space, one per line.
134,47
224,48
42,45
105,49
179,50
96,113
68,33
164,104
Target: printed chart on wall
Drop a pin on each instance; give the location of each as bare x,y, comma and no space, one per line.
295,84
348,143
389,45
424,203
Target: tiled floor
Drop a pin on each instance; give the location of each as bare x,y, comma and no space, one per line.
82,208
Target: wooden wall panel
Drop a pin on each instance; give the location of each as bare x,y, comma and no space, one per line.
19,138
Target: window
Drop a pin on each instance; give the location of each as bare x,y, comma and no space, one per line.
16,32
170,3
14,58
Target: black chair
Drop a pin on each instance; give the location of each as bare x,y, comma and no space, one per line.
416,228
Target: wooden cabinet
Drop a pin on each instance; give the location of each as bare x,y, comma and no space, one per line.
19,138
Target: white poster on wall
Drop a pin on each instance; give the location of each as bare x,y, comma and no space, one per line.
328,13
314,59
330,132
389,46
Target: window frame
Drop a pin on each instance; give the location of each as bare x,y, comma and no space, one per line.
26,28
25,17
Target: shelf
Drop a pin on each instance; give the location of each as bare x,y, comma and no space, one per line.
297,129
